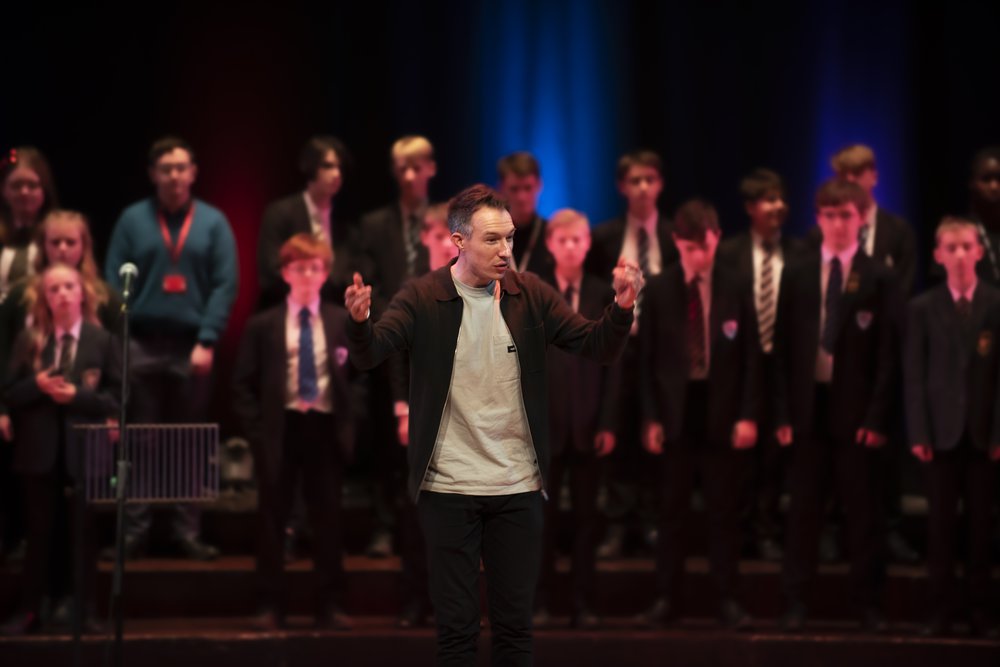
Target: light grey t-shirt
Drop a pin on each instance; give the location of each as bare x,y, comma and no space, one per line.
483,445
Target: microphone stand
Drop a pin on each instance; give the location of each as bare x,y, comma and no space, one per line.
120,482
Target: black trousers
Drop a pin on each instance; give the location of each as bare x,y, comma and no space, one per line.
165,391
855,470
49,559
723,472
505,533
310,453
767,482
967,474
583,471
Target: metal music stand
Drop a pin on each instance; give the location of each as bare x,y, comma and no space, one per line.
166,463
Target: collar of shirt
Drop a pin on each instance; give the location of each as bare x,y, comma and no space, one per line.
758,240
294,307
563,284
314,211
418,212
175,217
706,277
73,330
870,215
649,224
845,257
968,294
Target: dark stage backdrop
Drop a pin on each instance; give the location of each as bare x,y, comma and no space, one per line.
717,88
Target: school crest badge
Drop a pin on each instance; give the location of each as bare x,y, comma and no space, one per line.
91,378
340,355
864,319
730,328
985,344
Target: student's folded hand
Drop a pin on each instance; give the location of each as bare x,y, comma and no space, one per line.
652,438
923,452
6,430
869,438
784,435
744,434
604,443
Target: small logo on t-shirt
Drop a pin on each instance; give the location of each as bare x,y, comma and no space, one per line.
511,348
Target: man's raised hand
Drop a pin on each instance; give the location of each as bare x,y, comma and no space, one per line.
358,299
628,282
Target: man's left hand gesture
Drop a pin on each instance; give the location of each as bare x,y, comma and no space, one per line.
628,282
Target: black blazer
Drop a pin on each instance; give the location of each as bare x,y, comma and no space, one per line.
736,254
282,220
895,247
608,238
951,372
385,253
40,423
261,376
540,261
864,353
734,374
582,393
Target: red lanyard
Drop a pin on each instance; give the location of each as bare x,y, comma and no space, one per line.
175,250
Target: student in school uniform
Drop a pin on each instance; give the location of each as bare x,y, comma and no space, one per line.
953,413
834,359
758,256
65,370
582,403
700,376
291,393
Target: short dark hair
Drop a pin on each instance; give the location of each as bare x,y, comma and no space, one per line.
467,202
315,149
521,163
165,145
852,160
759,183
694,218
981,156
638,158
837,192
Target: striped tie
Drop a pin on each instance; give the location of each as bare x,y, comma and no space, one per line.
642,247
412,241
765,299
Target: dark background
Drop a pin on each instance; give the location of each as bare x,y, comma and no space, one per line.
717,88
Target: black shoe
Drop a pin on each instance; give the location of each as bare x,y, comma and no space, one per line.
267,619
332,617
380,546
939,625
794,618
768,549
584,619
873,622
734,617
412,616
982,625
829,546
900,550
614,540
291,544
658,616
195,549
135,548
24,623
541,619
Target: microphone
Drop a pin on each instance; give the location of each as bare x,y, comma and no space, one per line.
128,274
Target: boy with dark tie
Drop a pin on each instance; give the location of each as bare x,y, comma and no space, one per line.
834,360
700,371
954,420
290,391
